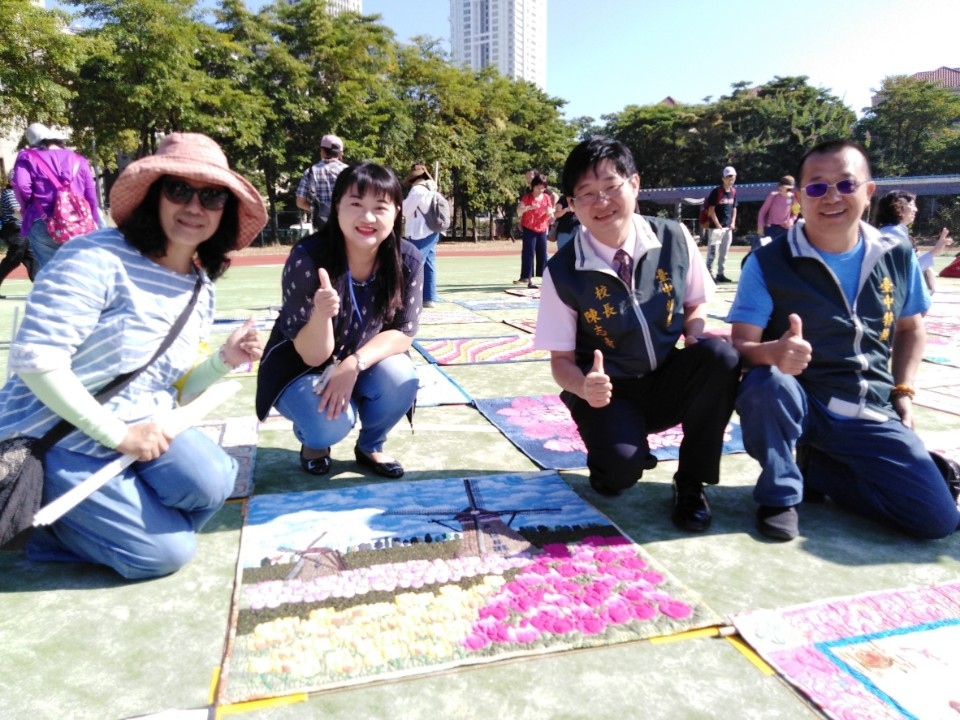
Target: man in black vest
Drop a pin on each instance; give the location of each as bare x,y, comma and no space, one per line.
829,321
614,302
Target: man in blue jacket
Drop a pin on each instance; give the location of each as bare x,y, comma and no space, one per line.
828,321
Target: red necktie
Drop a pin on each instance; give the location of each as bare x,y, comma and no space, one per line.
624,267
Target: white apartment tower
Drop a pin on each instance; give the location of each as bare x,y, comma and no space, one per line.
335,7
511,35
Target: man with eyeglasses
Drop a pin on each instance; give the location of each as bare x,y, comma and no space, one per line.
828,321
614,302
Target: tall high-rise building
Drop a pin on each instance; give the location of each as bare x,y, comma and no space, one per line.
511,35
338,6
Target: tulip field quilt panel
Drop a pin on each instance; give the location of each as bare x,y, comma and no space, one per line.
882,655
377,582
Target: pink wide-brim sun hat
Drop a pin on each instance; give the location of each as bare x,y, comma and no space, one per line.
195,157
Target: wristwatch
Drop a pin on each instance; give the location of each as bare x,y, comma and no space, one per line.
361,363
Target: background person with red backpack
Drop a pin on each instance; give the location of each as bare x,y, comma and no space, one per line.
722,220
46,158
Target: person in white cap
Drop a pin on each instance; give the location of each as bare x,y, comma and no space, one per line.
722,221
316,186
102,308
33,173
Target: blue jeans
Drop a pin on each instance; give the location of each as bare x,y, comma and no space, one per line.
428,248
143,522
533,257
42,245
876,469
381,397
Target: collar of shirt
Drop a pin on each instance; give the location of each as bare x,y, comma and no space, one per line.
640,239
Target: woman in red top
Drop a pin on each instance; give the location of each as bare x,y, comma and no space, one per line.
536,211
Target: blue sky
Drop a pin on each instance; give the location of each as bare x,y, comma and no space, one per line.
353,515
603,55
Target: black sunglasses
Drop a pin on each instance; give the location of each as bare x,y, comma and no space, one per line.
179,192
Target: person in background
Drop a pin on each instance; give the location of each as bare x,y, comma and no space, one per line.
615,301
567,222
101,308
338,352
828,322
776,215
18,249
722,221
417,202
37,193
536,212
896,212
316,185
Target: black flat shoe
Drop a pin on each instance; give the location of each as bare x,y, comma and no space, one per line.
391,469
316,466
690,509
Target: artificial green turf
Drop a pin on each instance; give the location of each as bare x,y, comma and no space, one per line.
79,643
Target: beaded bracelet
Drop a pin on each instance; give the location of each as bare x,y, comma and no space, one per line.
902,391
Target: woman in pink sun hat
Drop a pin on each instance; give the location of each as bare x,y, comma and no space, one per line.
103,307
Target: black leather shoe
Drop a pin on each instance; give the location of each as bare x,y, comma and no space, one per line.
316,466
690,509
391,469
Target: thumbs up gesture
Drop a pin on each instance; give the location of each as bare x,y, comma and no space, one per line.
597,388
326,300
793,352
243,345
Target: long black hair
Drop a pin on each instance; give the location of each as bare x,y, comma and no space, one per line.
368,177
144,231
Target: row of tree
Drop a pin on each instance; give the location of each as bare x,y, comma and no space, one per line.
269,84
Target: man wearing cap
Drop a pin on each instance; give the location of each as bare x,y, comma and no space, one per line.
722,219
316,185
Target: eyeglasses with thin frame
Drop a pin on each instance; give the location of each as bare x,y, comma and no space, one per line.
180,193
844,187
589,198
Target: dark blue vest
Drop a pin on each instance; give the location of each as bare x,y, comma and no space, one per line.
851,345
634,330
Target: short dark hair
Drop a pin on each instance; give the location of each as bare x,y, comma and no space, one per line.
590,153
143,230
830,147
893,206
538,179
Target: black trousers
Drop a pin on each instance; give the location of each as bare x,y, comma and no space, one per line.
694,387
18,251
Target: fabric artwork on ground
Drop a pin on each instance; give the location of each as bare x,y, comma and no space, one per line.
945,398
524,292
449,315
529,326
438,388
541,427
238,437
371,583
942,350
881,655
499,304
470,351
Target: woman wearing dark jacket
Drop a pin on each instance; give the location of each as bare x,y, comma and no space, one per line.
352,298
